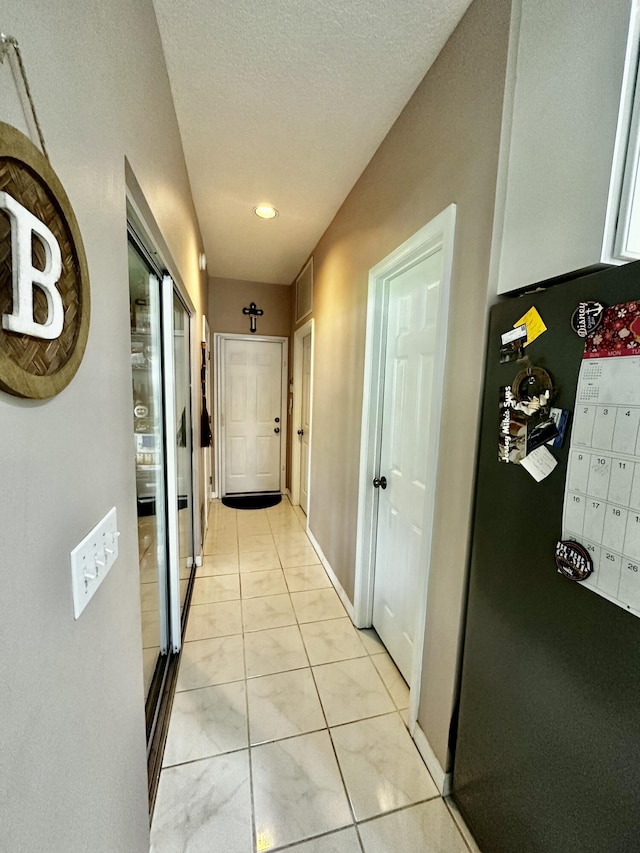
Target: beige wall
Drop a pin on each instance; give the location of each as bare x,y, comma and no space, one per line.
442,149
228,296
72,738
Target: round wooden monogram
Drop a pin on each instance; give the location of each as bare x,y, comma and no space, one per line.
44,279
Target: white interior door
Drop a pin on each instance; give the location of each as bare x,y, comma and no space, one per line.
252,416
305,422
411,335
205,379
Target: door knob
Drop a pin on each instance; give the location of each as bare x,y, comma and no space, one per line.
380,483
300,432
277,429
277,420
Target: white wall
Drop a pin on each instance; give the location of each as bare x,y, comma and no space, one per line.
72,740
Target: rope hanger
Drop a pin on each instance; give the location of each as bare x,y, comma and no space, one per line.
10,48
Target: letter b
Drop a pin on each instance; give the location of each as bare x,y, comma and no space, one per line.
25,276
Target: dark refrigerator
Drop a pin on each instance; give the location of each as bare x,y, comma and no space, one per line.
547,736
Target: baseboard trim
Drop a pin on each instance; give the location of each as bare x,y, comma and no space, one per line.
442,779
199,561
344,598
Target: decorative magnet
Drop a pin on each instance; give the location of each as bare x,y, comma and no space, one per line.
586,318
573,560
532,390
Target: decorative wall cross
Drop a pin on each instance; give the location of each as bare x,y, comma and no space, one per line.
253,311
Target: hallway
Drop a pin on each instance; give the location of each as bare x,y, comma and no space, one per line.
288,723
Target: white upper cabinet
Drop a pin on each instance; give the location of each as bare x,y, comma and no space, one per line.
562,106
622,240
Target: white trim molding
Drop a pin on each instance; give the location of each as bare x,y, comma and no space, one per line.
173,539
618,245
344,598
442,779
218,398
298,337
307,270
437,235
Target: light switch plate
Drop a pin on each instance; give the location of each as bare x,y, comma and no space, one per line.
92,559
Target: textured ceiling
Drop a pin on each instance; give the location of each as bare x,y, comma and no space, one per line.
286,101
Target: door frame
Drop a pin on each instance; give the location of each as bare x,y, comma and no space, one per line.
208,473
141,224
296,450
148,239
219,339
439,232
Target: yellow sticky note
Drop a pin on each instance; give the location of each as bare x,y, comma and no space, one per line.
534,323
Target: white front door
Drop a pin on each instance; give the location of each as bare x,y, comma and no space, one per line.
305,421
252,416
400,562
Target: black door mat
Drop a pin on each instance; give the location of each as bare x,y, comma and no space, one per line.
251,501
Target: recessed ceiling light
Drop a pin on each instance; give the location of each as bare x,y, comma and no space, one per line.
265,211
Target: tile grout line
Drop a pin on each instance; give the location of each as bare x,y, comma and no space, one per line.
311,838
388,689
368,653
252,808
326,728
457,818
204,758
329,730
333,746
254,823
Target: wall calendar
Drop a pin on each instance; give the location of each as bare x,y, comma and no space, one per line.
602,491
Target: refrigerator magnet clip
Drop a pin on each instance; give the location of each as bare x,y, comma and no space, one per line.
532,390
573,560
586,318
512,344
534,323
561,419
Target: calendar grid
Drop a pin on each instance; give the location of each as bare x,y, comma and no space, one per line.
602,492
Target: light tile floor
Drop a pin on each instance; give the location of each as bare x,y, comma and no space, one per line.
287,730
